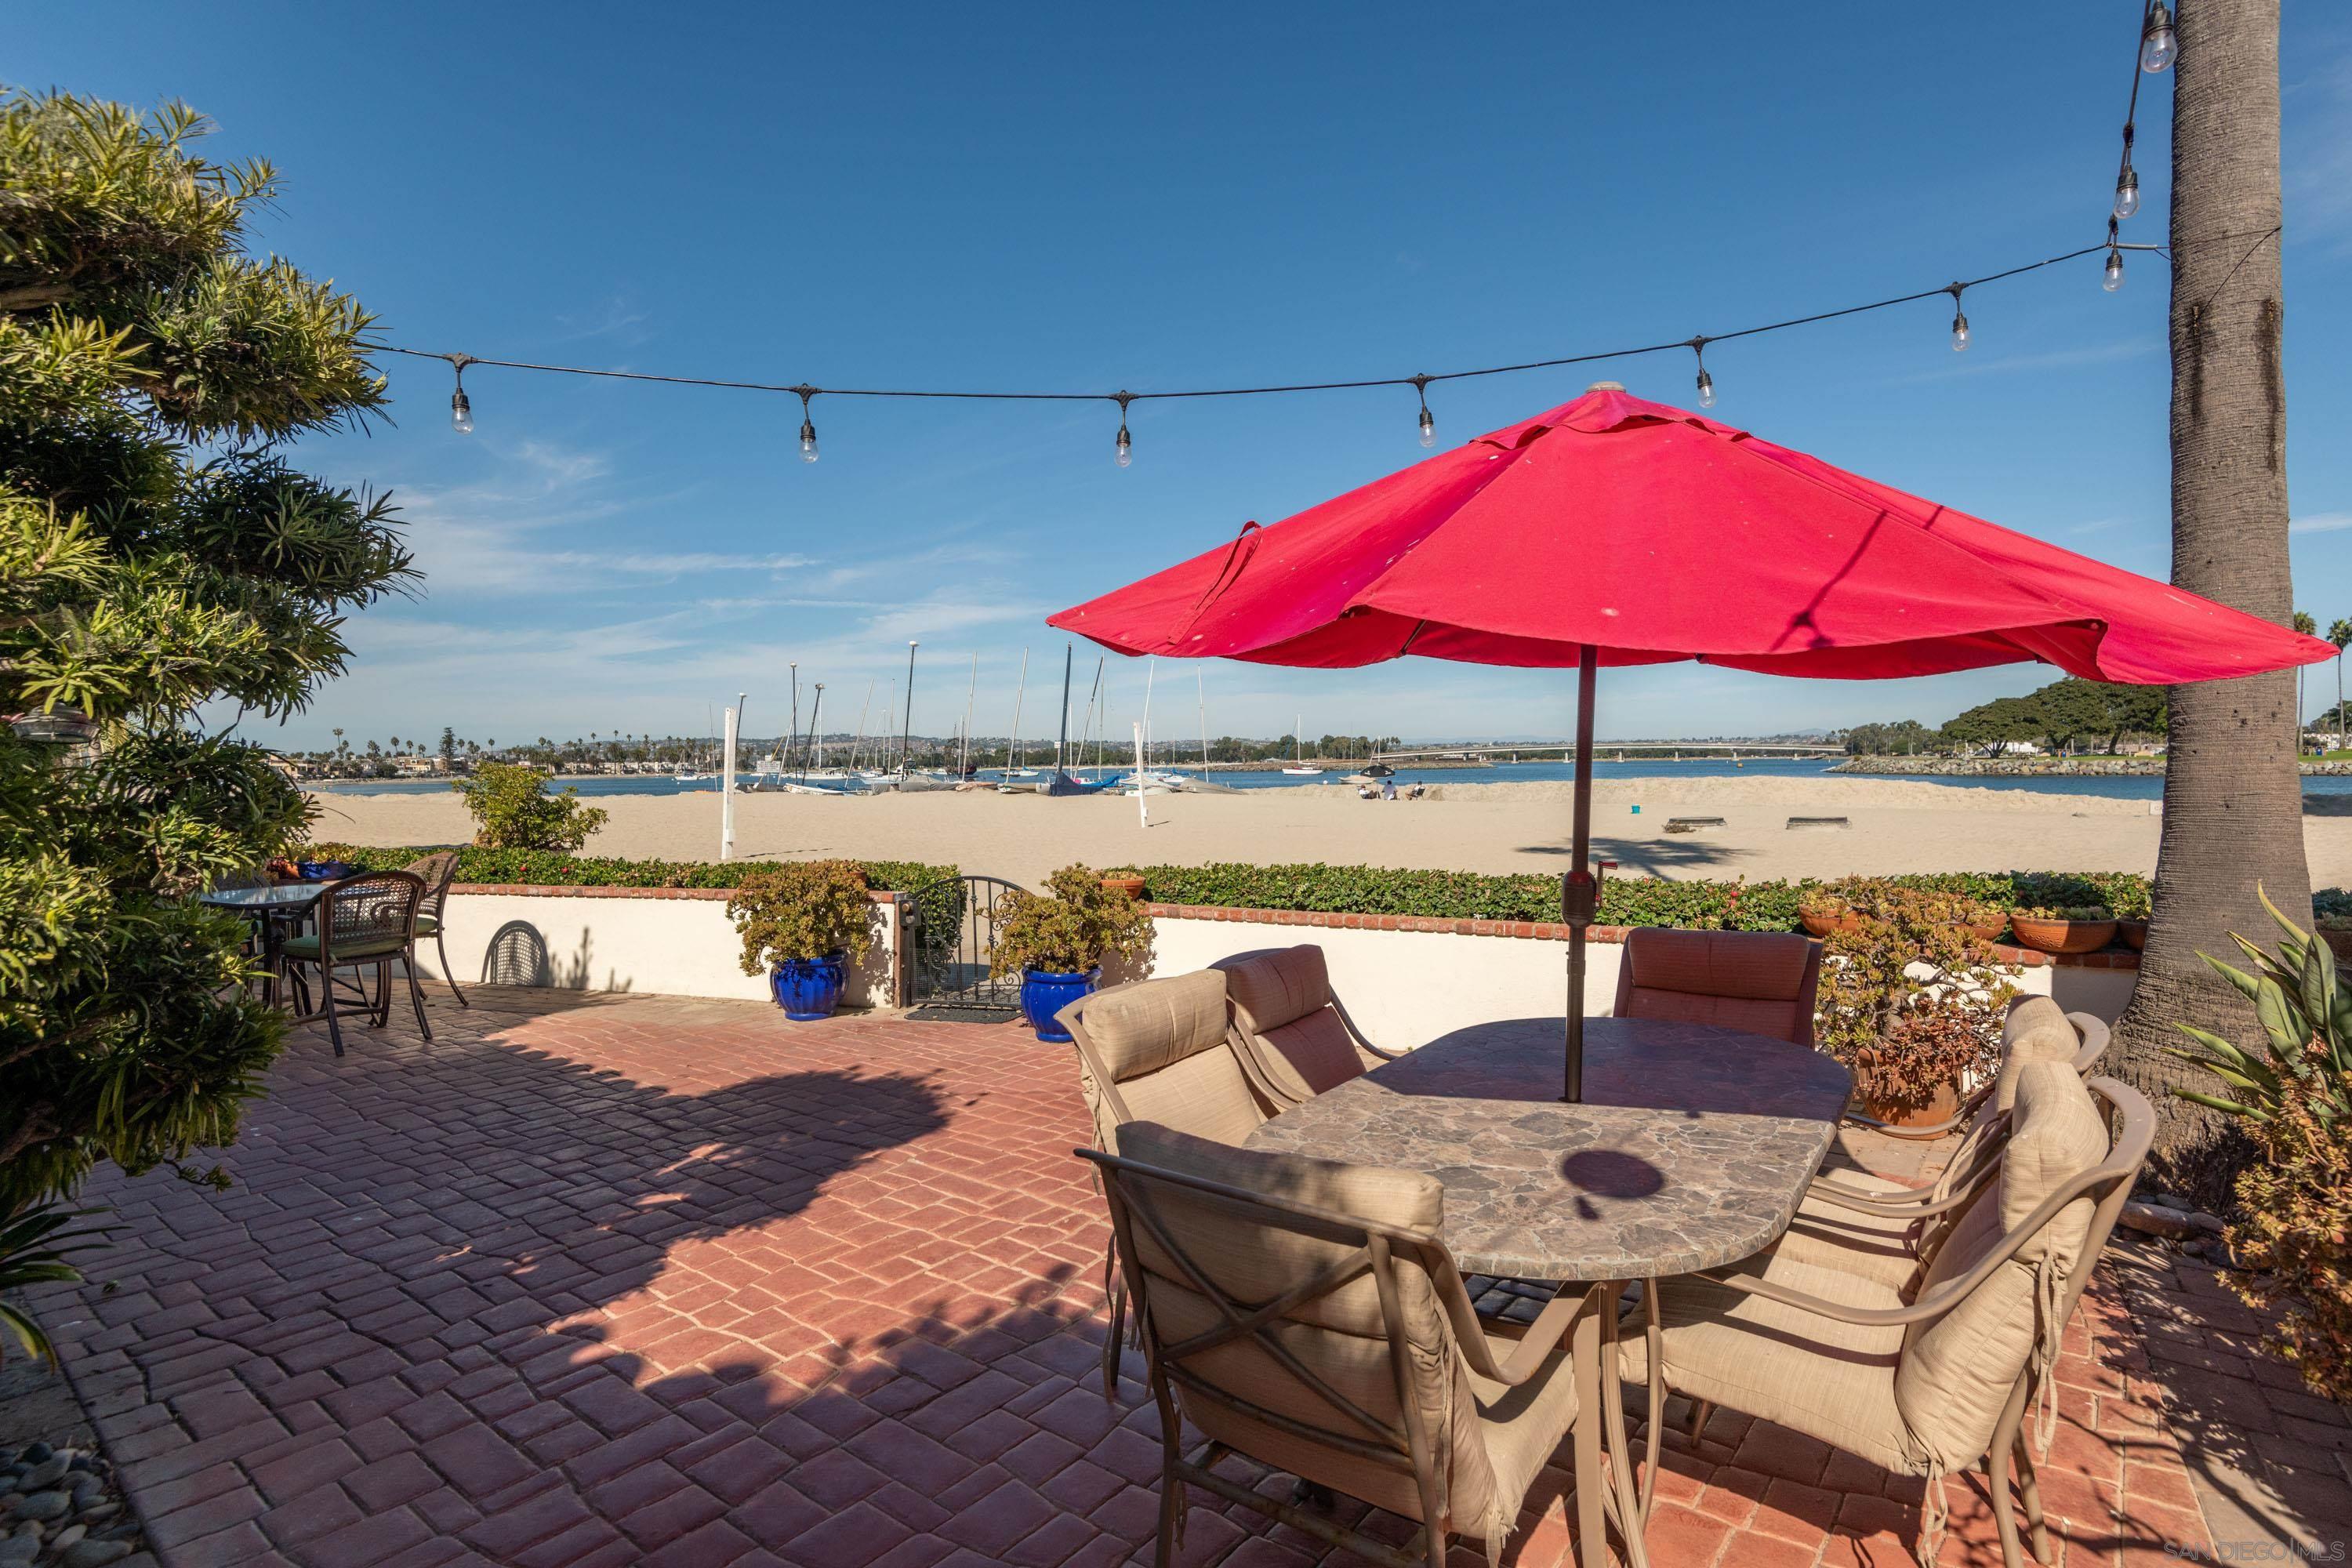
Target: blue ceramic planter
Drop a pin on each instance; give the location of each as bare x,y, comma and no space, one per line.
808,988
1043,994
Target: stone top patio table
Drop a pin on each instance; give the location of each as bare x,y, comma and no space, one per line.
1690,1150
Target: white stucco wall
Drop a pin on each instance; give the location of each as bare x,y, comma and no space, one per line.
1405,987
669,945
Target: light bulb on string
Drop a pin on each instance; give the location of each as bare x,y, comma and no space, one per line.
2128,193
2112,279
461,407
1705,381
808,425
1123,450
1959,322
2158,44
1428,424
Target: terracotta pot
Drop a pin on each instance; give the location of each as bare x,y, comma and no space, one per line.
2134,934
2341,941
1826,925
1943,1107
2062,936
1131,886
1990,930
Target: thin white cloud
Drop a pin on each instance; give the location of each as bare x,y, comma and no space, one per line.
513,535
2321,522
613,318
1965,365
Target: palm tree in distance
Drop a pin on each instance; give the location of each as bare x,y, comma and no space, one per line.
2310,628
2340,634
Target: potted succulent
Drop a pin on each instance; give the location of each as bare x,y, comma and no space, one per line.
1056,944
2065,928
1911,1000
805,923
1986,922
1126,878
1824,910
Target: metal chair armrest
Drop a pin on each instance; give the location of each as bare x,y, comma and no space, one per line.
1908,1134
1935,1303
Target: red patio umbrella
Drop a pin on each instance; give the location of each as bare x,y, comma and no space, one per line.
1615,530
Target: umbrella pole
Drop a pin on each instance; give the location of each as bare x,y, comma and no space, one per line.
1578,894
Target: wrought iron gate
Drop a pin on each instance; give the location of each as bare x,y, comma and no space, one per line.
951,930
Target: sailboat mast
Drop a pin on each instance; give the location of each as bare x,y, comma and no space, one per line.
1150,672
858,741
1201,691
1019,692
972,686
816,735
906,735
1062,742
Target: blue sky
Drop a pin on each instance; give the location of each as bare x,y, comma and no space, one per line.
1064,196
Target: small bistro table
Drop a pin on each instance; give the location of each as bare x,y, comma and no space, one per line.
1691,1151
272,909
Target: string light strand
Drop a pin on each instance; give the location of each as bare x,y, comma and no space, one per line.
2111,247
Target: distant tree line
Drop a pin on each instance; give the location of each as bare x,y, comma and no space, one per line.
2067,715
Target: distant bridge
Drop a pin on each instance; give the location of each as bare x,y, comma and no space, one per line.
1613,752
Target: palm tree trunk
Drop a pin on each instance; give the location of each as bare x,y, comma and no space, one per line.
2232,792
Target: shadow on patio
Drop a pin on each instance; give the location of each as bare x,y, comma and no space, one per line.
609,1281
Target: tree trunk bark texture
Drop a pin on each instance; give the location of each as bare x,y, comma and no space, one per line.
2233,794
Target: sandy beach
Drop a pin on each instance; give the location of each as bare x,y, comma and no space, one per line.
1894,825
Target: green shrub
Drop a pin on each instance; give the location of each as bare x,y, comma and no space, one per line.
1071,931
1624,901
514,810
2293,1091
543,868
800,910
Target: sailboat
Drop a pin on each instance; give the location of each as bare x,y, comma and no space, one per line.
1298,753
694,771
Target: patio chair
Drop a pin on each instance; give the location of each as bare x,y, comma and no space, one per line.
1296,1041
367,921
1158,1050
1888,1229
1762,981
438,870
1923,1383
1303,1313
1294,1038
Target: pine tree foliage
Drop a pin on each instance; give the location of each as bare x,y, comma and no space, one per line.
158,551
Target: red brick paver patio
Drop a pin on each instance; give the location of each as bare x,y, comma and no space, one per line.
646,1280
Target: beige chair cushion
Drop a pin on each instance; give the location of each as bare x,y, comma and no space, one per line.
1163,1044
2036,1030
1278,984
1342,1337
1738,980
1301,1041
1828,1379
1150,1025
1310,1054
1881,1249
1958,1369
